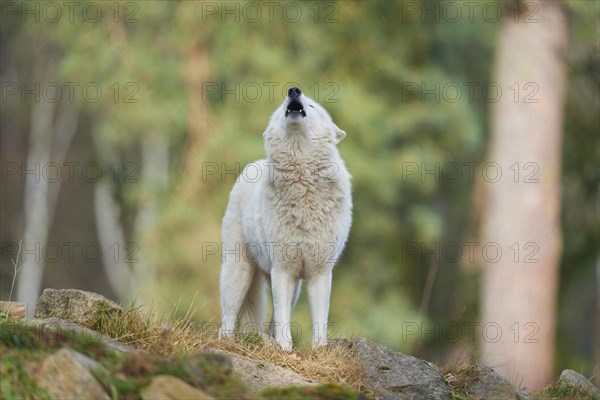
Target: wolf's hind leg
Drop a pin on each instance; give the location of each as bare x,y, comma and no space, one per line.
236,277
252,313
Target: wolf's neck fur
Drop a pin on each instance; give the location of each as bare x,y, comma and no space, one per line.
308,177
297,154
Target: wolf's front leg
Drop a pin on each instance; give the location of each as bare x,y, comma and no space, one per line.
319,292
282,287
271,329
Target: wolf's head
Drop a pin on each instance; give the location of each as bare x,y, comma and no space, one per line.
301,115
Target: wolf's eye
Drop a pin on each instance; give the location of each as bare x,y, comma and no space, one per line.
310,105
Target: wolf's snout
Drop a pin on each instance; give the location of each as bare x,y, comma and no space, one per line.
294,92
295,108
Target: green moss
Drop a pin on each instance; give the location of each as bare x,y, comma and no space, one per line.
121,387
26,335
320,392
15,382
123,375
23,343
205,371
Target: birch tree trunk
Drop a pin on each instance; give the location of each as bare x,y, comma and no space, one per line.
154,181
127,280
36,208
522,216
110,231
49,142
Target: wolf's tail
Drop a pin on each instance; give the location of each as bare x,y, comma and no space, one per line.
253,311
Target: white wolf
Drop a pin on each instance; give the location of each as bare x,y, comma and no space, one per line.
288,219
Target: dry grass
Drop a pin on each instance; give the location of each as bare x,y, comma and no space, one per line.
147,330
172,337
329,364
459,376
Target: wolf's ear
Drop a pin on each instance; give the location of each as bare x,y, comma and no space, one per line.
338,134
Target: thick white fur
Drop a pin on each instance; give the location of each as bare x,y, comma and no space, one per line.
287,220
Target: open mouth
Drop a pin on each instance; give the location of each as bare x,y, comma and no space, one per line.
294,108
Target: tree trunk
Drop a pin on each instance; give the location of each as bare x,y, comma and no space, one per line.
197,71
110,231
48,142
155,180
128,281
36,210
519,289
597,341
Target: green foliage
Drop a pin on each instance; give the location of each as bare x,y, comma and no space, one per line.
580,177
388,128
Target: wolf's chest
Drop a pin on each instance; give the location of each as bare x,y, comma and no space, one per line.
306,199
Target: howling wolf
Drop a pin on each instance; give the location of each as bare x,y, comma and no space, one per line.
288,223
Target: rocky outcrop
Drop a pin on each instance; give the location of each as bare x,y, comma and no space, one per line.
96,371
51,329
482,382
74,305
393,375
263,374
101,364
165,387
66,375
579,383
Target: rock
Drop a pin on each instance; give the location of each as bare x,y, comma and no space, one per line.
484,383
74,305
260,374
63,376
86,362
218,364
579,382
13,309
51,329
165,387
393,375
210,372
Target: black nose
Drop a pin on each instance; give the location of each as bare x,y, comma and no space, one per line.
294,92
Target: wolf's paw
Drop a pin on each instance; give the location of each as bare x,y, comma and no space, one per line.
225,333
319,341
285,345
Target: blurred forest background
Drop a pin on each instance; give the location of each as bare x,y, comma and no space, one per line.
125,124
